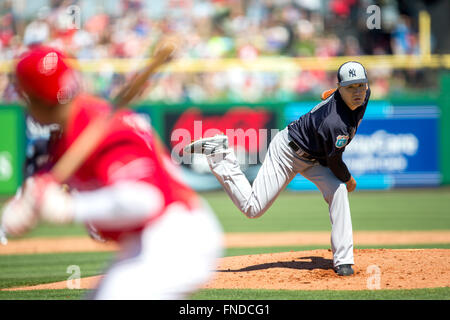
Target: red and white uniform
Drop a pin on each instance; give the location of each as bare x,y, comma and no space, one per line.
128,152
130,191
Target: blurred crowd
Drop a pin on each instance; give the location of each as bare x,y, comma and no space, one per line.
244,29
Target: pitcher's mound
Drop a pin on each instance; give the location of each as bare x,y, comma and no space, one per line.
313,270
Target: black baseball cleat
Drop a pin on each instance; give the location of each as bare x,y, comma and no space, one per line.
344,270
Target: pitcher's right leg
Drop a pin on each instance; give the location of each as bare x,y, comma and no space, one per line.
274,175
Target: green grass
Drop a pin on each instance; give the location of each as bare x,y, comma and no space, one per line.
49,230
32,269
65,294
424,209
251,294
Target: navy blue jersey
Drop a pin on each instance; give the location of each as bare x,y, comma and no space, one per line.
326,130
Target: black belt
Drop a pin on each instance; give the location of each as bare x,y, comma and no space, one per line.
299,151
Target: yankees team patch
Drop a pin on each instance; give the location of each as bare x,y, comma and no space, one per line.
341,141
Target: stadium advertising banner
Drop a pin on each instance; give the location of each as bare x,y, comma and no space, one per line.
249,130
395,146
12,144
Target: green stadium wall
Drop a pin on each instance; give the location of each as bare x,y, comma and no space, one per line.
13,141
444,105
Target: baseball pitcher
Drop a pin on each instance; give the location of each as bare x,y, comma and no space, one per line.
312,146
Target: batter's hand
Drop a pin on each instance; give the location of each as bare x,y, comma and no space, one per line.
351,184
51,202
18,217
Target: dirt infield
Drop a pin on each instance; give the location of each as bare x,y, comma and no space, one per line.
235,240
312,270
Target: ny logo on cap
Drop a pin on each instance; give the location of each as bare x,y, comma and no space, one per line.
352,73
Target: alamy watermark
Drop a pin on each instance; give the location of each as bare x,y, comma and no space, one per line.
253,142
74,14
374,19
74,280
374,279
70,17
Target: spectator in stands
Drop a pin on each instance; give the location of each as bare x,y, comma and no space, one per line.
213,29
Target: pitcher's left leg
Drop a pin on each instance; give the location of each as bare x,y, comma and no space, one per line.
341,221
335,194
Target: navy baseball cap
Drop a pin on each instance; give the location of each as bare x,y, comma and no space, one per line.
351,72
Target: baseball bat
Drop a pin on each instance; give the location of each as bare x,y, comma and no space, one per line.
91,136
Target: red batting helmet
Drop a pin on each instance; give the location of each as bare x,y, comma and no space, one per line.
44,74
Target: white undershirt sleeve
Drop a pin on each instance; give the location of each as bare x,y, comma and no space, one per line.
122,204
